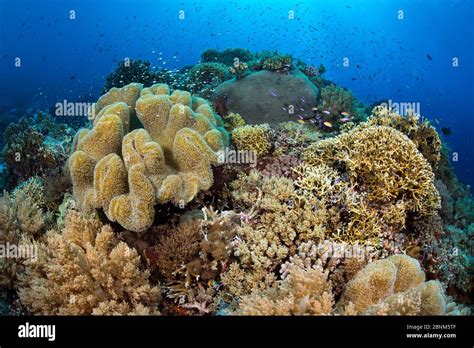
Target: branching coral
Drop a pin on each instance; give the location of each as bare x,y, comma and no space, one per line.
127,173
421,133
273,223
386,167
393,286
233,120
253,138
85,270
278,63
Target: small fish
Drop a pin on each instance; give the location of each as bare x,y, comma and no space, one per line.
301,121
326,112
429,57
345,119
446,131
345,114
272,92
328,124
314,109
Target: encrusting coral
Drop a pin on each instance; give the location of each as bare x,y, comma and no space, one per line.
126,171
85,270
393,286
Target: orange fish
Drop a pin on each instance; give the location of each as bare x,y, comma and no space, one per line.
328,124
345,114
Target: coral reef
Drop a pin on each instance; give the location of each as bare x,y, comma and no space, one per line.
86,270
125,172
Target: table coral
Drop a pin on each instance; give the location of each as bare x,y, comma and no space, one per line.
126,172
85,270
395,285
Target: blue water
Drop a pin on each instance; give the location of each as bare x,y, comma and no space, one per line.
388,56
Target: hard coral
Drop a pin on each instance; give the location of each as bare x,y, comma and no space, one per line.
278,63
127,173
253,138
385,165
393,286
419,131
86,270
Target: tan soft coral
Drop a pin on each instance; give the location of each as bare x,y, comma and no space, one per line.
86,270
303,291
386,167
169,160
393,286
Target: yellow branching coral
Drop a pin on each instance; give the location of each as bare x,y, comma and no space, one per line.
253,138
86,270
384,164
301,292
393,286
233,120
169,160
421,133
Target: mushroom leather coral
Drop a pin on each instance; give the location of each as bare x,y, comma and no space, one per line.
168,160
395,285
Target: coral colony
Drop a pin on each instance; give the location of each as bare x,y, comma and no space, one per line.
215,190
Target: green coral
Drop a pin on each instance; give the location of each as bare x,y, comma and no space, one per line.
169,160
